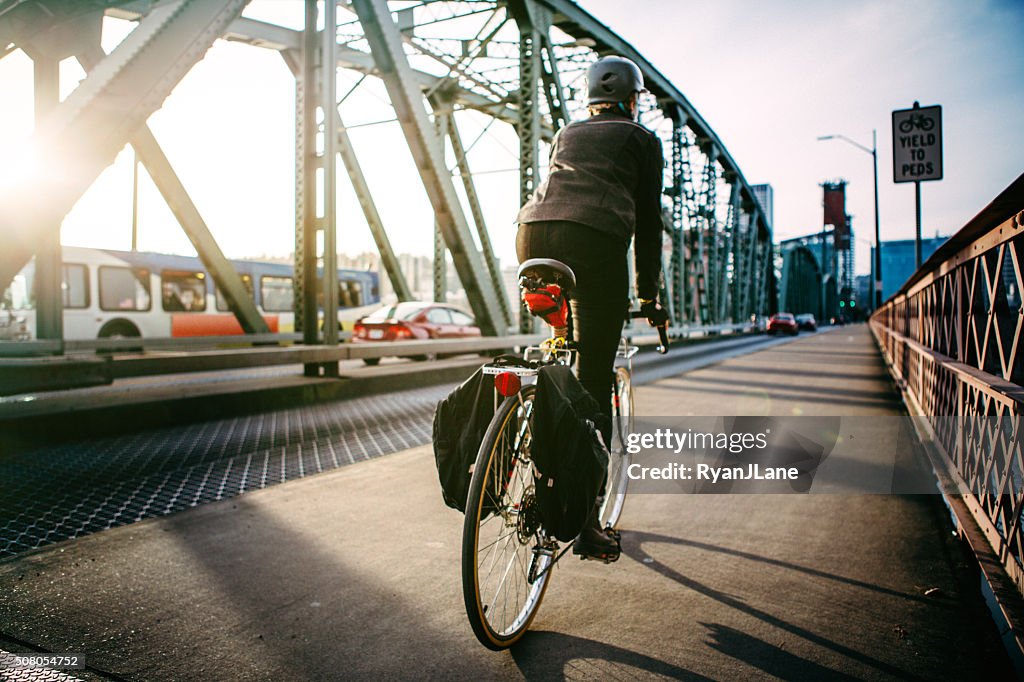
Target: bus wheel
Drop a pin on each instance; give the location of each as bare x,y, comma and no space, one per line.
120,329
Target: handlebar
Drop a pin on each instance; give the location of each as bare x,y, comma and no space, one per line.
662,330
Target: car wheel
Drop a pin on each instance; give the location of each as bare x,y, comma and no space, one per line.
425,358
372,362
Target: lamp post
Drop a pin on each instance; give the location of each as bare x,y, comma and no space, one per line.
873,151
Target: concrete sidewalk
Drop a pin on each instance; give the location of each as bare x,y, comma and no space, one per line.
355,573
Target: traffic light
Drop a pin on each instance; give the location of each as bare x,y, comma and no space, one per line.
842,304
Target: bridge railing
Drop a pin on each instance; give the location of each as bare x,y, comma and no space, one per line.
952,337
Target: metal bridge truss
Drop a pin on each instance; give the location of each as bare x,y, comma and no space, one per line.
520,62
801,287
953,338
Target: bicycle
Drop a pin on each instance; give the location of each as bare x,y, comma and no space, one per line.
506,552
916,121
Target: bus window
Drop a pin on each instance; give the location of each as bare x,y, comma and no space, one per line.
124,288
344,295
277,294
75,286
183,292
355,292
21,294
222,303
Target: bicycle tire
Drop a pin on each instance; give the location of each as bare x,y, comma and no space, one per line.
618,457
496,470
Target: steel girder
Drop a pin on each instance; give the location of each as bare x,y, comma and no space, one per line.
328,105
306,163
271,36
385,41
451,128
84,134
49,257
440,266
440,252
530,24
678,309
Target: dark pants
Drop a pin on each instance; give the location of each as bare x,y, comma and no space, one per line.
599,302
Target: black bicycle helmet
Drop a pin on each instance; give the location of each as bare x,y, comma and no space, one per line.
613,79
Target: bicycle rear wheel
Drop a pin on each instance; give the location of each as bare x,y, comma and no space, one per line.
618,457
505,555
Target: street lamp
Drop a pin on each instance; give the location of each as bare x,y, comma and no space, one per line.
873,151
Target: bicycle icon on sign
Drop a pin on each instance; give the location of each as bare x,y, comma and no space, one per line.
919,121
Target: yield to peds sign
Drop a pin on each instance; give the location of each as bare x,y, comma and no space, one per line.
917,144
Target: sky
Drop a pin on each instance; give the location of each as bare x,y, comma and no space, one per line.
769,77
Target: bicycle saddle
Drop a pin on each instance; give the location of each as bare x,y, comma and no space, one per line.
549,271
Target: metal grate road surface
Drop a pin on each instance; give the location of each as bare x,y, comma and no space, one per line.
65,491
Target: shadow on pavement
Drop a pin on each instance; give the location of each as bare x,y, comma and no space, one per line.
632,546
770,658
543,655
784,393
790,371
832,392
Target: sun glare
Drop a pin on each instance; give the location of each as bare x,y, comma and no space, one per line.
18,161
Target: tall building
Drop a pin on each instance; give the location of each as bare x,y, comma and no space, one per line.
841,266
766,197
862,292
899,261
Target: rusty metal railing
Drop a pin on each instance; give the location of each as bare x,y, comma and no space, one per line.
952,337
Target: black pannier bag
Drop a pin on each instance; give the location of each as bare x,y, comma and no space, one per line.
460,422
567,452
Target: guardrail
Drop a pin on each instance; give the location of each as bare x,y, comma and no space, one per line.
37,347
22,375
952,337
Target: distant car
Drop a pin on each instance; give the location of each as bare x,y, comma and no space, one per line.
783,323
412,321
806,321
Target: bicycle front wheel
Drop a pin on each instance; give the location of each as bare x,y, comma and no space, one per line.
618,457
505,555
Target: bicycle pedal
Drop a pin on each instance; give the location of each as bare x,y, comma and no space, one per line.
603,558
606,557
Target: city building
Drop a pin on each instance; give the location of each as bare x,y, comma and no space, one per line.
765,195
899,262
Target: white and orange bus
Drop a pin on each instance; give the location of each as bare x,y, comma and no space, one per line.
151,295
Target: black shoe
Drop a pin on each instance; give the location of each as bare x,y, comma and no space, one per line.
597,543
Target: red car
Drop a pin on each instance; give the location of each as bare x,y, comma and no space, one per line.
411,321
783,323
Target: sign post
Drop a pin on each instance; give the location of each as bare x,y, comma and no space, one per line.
917,152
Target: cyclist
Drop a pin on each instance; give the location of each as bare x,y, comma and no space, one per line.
603,189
